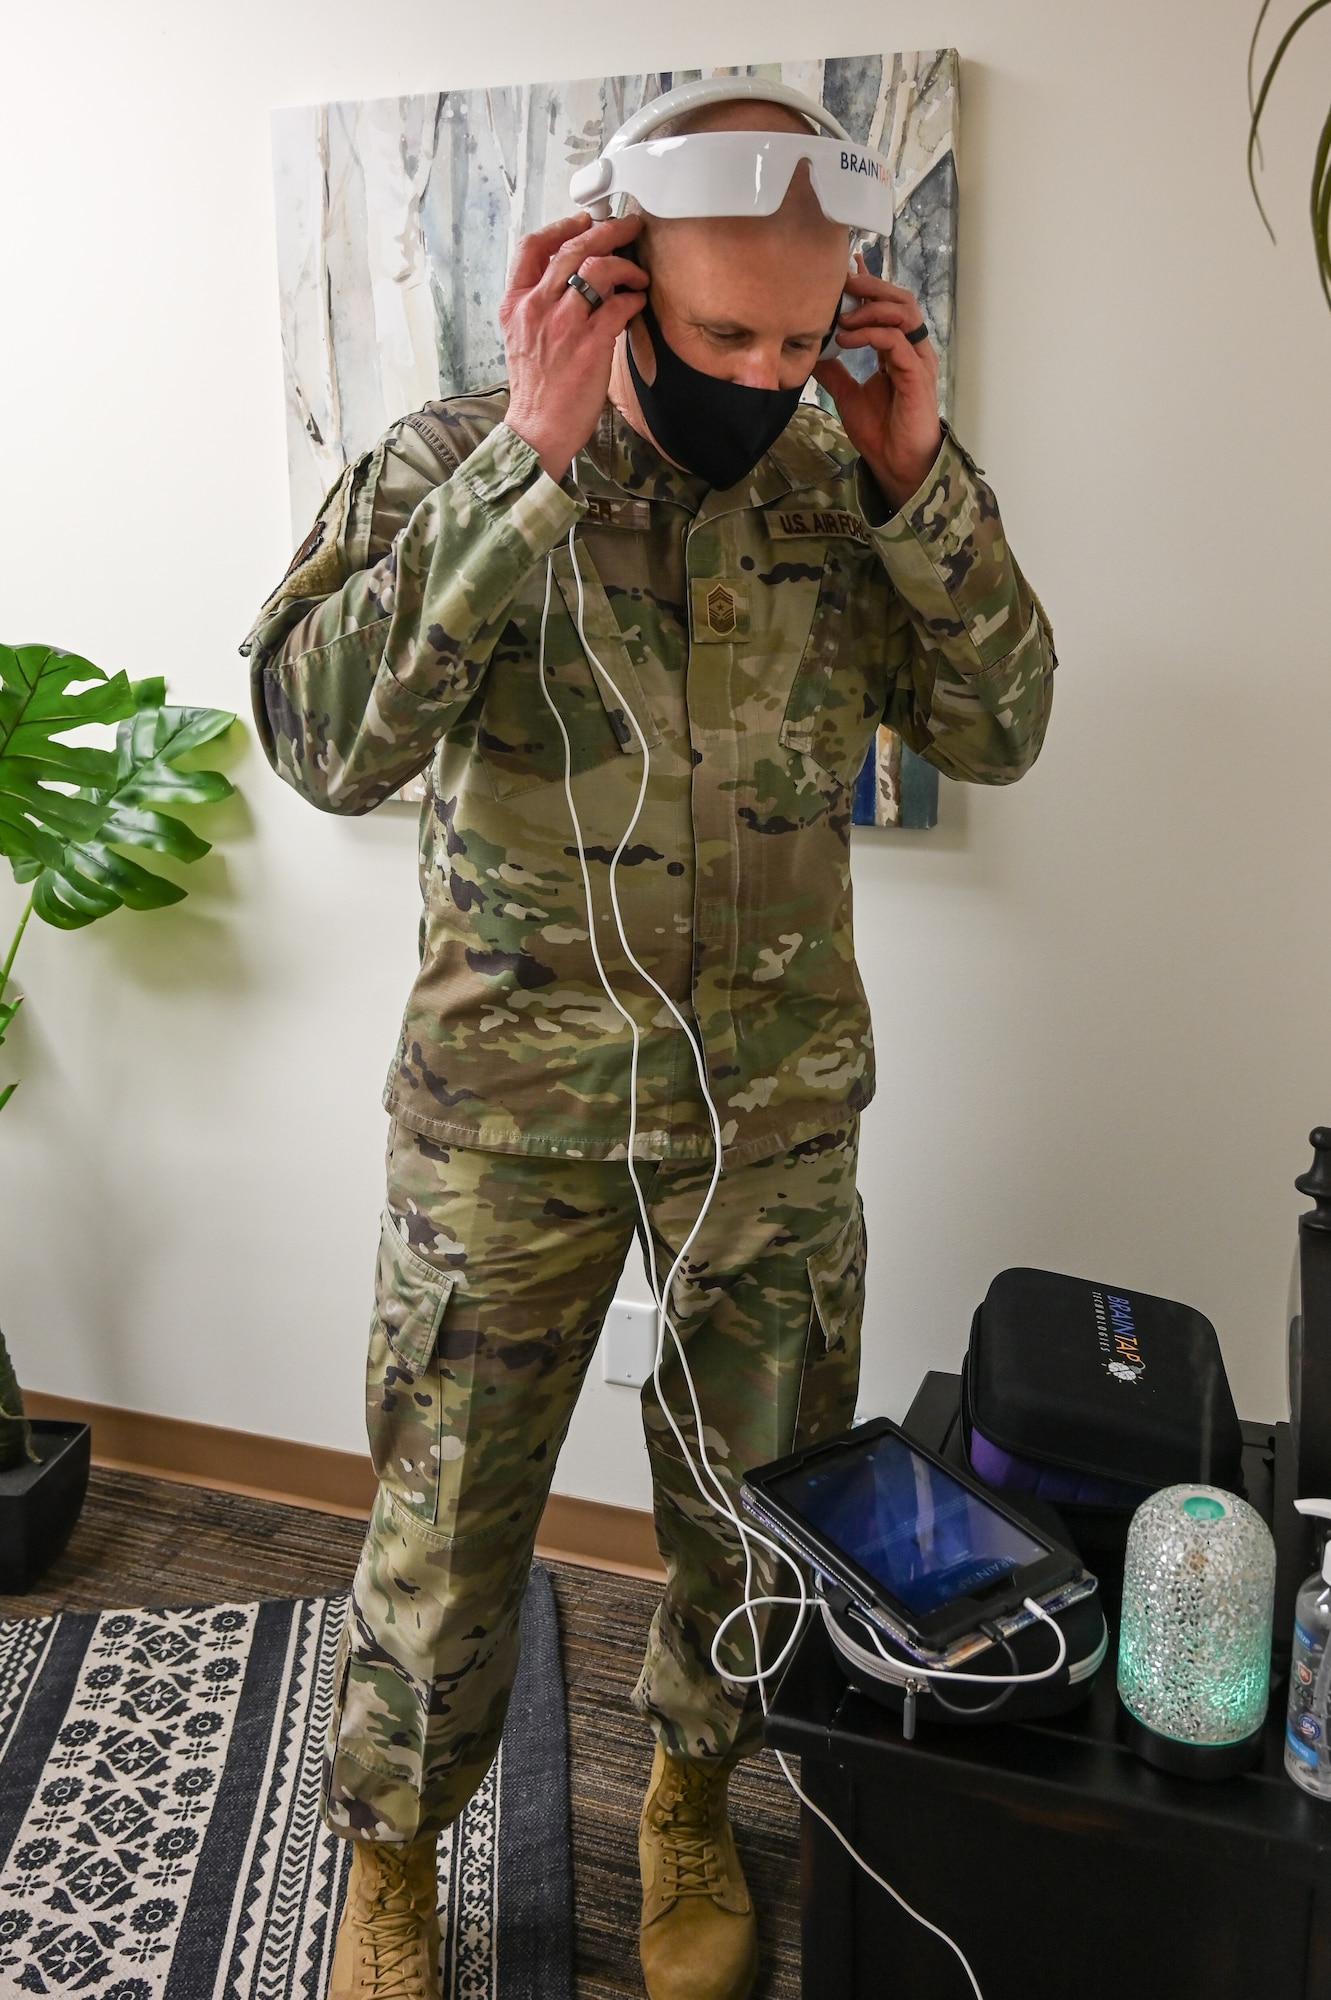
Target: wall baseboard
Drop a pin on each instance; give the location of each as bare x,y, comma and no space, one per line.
590,1532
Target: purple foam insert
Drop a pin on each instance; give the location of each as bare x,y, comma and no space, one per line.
1049,1482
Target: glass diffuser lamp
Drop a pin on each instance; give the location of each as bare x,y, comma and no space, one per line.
1194,1657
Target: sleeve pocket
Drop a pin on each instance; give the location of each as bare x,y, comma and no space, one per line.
410,1296
1018,657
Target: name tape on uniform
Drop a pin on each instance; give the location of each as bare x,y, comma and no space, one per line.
790,523
605,510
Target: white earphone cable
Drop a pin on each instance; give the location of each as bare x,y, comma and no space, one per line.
874,1876
717,1498
704,1475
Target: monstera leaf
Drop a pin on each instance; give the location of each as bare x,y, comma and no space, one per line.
65,809
90,879
37,704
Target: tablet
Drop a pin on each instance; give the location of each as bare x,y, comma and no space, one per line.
924,1545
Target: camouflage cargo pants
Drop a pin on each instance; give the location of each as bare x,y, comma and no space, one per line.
495,1272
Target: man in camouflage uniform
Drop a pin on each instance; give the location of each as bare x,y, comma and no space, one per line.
759,635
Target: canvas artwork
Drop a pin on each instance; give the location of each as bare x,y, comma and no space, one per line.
397,219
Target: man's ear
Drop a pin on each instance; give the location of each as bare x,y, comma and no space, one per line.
846,303
637,251
644,354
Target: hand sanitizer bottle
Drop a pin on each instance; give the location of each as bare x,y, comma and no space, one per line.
1307,1750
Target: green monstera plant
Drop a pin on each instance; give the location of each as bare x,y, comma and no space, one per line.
1320,195
68,811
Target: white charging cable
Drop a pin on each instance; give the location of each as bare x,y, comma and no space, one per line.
703,1476
915,1673
908,1670
709,1484
913,1677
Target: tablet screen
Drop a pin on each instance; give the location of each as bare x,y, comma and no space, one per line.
922,1535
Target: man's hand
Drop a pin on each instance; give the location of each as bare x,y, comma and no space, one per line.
559,350
892,419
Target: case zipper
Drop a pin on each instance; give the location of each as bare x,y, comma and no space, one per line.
908,1710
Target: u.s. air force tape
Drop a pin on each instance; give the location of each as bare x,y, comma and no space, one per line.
788,523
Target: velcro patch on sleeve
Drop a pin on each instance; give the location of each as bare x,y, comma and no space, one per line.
786,524
312,541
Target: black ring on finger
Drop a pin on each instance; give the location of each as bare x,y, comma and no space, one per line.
914,334
589,292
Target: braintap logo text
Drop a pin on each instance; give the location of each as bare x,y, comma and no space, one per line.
863,163
1117,1334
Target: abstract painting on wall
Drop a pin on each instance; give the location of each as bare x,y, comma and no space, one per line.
397,219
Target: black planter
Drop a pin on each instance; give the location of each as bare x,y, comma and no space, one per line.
39,1503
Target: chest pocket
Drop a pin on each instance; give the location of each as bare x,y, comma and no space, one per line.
517,737
835,700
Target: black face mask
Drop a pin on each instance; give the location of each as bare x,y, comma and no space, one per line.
717,429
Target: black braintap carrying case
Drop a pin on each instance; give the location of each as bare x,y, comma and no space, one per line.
1092,1396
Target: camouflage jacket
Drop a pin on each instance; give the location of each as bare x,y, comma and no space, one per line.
759,636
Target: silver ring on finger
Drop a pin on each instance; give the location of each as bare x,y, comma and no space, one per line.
578,283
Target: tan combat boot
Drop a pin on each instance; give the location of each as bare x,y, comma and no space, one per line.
388,1940
698,1939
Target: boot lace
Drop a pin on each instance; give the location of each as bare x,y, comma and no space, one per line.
394,1935
686,1820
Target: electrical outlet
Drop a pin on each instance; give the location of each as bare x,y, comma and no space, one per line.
628,1343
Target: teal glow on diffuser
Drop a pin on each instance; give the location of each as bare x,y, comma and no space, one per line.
1194,1656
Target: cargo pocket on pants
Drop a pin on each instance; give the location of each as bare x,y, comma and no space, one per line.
402,1388
831,1378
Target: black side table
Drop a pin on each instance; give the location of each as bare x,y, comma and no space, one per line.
1064,1867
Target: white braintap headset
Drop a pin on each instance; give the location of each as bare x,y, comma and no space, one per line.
736,173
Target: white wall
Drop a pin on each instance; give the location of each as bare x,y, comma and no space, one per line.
1099,997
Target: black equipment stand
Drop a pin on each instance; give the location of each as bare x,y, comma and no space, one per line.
1063,1866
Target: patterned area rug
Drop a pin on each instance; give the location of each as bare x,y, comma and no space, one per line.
159,1828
